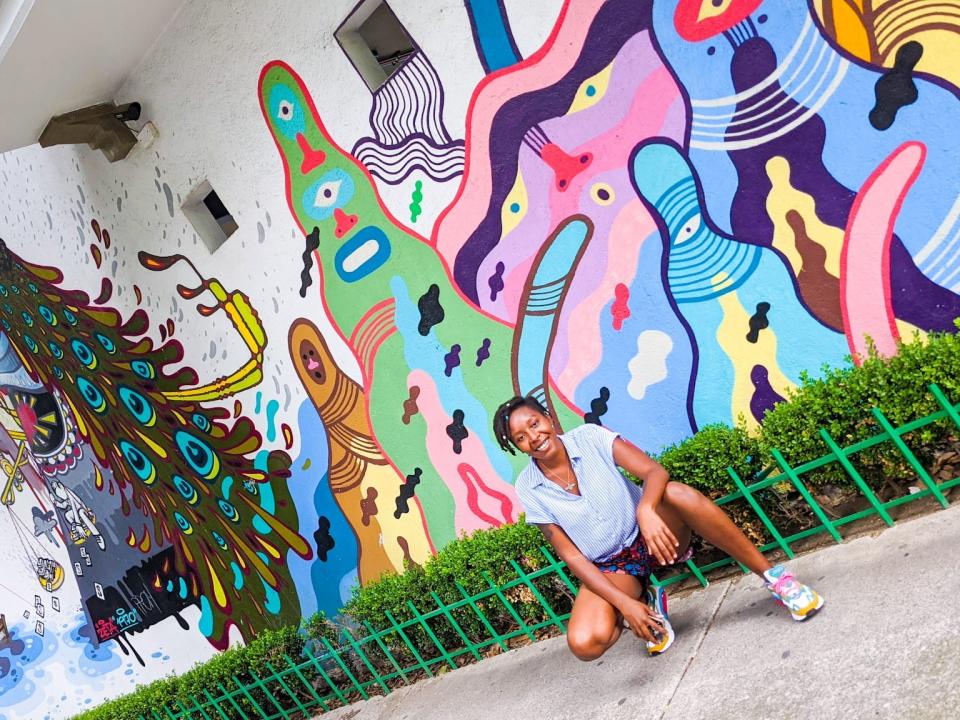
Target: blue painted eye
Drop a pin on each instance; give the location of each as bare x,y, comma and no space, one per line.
47,315
138,405
8,308
14,289
6,325
3,291
228,510
33,288
30,343
144,369
201,422
91,393
84,354
332,190
58,373
69,317
362,254
286,111
188,491
184,524
201,458
138,462
55,350
218,538
106,343
27,318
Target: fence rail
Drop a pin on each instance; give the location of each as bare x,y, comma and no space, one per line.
381,659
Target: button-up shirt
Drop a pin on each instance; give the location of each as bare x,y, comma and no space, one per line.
602,520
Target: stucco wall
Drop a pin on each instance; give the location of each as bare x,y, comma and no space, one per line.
656,218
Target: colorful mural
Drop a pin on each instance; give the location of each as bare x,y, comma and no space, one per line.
163,502
667,215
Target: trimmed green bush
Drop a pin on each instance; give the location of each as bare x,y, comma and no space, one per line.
701,461
841,400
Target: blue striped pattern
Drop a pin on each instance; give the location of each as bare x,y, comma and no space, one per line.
602,520
697,254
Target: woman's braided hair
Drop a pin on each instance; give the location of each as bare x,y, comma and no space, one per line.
501,418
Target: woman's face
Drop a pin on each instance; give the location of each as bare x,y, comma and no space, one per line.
532,432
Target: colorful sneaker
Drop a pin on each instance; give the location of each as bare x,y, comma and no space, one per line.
657,600
801,600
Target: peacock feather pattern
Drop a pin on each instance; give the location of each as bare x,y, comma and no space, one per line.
197,473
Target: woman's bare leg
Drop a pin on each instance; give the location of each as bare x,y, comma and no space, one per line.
683,508
595,625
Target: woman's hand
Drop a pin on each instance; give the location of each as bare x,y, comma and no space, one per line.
643,622
659,539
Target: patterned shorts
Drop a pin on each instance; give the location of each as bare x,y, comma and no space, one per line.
635,559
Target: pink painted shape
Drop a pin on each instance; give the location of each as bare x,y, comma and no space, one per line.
479,496
545,67
865,297
583,324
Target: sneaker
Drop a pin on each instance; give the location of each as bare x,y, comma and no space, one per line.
801,600
657,600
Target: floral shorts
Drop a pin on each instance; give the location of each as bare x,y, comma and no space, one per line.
635,559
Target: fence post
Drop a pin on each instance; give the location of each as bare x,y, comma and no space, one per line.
857,478
911,458
759,511
807,496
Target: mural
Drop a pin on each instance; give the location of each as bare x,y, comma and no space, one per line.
665,217
163,502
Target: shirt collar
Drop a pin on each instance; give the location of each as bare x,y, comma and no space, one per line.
573,450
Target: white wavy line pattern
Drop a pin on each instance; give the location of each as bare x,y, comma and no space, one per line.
817,63
394,164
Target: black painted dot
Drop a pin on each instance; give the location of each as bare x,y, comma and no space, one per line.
762,19
717,3
583,159
327,193
711,50
563,183
603,194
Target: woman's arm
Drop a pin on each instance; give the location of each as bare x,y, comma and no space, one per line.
636,612
656,534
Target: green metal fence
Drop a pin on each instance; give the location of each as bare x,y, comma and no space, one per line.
374,661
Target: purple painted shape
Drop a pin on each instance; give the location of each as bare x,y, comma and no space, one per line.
451,360
483,352
764,396
916,298
613,25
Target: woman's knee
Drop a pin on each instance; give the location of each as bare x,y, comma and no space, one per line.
678,493
588,643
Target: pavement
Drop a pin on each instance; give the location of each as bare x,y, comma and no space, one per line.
885,645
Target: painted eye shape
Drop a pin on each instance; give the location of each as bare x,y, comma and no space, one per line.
602,194
689,228
327,194
285,110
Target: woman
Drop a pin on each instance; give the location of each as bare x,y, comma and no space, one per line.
612,534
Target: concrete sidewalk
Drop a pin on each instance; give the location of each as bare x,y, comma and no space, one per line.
886,645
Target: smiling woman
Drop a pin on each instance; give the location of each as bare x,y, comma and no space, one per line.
612,534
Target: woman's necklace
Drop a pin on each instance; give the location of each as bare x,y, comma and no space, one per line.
569,486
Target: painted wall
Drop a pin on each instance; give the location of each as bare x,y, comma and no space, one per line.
653,217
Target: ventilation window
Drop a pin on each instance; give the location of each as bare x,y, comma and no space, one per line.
209,216
375,41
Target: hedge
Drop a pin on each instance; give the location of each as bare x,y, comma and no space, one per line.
839,400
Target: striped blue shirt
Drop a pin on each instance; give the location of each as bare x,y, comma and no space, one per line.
602,520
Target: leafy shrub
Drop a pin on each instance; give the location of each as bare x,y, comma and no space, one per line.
701,461
465,561
841,400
